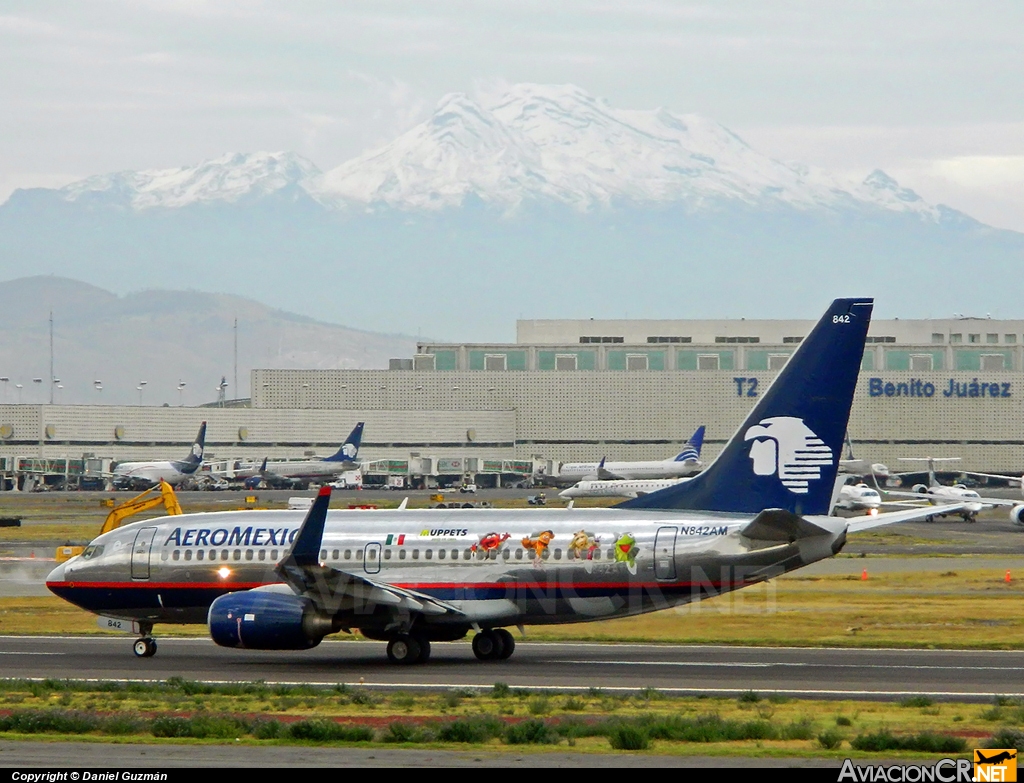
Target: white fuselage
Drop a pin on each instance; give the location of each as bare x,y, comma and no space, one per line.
492,566
309,469
954,493
154,472
858,497
581,471
625,488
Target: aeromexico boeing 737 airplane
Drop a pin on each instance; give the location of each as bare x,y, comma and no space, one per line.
143,475
283,580
684,463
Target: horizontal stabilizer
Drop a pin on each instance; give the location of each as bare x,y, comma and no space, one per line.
775,524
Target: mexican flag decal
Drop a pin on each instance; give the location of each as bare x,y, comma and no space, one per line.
397,540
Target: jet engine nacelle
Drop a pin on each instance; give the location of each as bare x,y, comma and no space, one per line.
922,488
259,620
1017,514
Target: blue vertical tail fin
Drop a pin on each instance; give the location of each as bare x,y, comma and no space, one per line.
693,447
350,448
195,456
786,454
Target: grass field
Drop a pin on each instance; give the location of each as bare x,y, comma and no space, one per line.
593,720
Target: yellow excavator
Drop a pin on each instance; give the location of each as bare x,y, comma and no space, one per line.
163,493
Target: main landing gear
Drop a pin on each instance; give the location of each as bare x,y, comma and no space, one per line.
409,649
146,646
493,644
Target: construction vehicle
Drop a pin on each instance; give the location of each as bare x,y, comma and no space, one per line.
141,502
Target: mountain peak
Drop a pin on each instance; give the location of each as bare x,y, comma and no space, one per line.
229,177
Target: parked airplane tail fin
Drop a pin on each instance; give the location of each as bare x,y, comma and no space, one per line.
195,456
693,447
350,448
785,455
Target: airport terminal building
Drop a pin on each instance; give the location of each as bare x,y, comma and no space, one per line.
579,389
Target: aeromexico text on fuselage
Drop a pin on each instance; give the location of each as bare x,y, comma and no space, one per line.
916,387
261,536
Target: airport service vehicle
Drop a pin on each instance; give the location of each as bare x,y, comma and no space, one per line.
300,473
468,488
626,488
283,580
685,463
143,475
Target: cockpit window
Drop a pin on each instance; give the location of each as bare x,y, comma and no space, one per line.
92,551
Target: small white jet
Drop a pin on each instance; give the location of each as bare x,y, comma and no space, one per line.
685,463
625,488
861,467
859,497
939,495
143,475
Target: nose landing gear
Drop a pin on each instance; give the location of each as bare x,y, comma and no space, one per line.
146,646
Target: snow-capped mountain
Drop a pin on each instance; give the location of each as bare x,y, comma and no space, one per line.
532,143
538,202
561,143
229,178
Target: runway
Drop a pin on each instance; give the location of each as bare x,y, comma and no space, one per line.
829,673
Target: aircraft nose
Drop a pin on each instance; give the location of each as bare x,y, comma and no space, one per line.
56,575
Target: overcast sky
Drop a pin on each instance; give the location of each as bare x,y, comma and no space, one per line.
931,92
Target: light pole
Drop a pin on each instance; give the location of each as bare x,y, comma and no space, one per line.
19,387
181,394
38,382
98,386
5,380
55,385
140,388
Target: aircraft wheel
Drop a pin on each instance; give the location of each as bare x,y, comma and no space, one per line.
488,646
508,643
404,650
424,644
145,647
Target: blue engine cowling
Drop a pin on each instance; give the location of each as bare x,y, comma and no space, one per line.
259,620
1017,514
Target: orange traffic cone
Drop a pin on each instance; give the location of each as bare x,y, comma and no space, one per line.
1007,577
864,575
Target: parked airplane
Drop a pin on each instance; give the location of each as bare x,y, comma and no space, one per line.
939,495
283,580
625,488
685,463
143,475
300,473
860,467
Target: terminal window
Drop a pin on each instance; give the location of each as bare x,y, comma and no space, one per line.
974,338
776,361
938,338
1009,338
636,361
708,361
737,339
884,339
991,338
602,339
670,339
993,361
921,361
565,361
494,361
956,338
788,340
